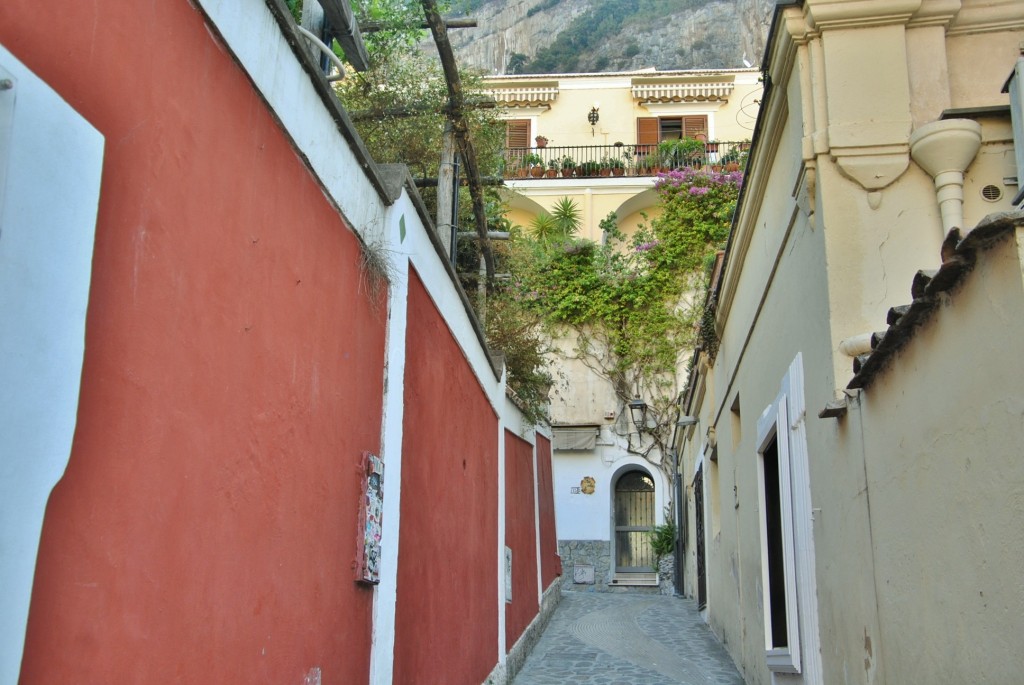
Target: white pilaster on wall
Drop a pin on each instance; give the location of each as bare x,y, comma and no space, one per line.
385,597
502,638
53,160
536,520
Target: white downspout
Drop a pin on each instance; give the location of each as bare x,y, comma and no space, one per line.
945,149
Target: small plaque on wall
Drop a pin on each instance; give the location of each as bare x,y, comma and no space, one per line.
583,574
371,509
508,574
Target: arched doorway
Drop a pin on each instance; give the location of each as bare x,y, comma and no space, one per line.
633,521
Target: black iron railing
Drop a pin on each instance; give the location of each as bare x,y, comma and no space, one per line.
587,161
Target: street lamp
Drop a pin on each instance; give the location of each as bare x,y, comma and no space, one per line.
638,411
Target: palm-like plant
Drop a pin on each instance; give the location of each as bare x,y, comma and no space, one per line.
543,227
567,216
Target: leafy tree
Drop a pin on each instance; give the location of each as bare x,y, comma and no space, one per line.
516,63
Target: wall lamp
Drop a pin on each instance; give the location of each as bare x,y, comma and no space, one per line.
638,411
593,117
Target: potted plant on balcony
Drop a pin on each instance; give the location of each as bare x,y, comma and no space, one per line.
568,167
605,167
617,166
731,160
552,169
588,169
536,163
541,141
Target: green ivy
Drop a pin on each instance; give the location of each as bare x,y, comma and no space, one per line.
625,300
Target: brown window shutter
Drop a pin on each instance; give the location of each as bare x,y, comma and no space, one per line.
647,134
517,133
692,126
647,131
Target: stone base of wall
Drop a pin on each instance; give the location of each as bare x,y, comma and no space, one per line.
506,672
595,553
666,573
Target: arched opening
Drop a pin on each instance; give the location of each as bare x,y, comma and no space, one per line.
634,518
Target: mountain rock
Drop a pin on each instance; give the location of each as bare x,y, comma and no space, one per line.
575,36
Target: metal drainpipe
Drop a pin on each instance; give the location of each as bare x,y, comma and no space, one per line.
677,570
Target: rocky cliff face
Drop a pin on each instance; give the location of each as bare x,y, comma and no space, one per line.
701,34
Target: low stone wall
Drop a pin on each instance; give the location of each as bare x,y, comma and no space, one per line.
579,554
504,673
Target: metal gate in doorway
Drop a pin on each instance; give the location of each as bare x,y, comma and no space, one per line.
698,520
634,520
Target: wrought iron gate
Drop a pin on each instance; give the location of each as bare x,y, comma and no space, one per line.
634,520
698,520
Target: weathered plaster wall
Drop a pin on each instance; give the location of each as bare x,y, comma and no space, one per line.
447,580
550,564
947,489
520,536
205,527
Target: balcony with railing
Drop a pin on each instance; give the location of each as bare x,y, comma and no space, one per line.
594,161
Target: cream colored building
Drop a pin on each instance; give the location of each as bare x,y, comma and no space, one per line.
634,111
856,502
601,462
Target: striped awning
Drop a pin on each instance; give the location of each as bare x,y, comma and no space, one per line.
578,437
525,96
683,91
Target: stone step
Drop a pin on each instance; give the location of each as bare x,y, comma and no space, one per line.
635,579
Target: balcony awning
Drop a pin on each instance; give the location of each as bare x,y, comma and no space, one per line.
678,91
537,95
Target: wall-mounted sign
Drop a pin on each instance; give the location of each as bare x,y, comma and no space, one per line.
588,485
508,574
583,574
371,508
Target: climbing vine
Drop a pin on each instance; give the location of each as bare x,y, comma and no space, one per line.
630,303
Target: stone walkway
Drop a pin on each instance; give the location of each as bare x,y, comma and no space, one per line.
597,638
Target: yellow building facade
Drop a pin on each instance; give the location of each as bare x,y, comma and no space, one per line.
610,127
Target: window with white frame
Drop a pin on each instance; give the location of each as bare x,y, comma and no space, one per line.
778,557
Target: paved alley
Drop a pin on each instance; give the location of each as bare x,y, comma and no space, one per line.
619,639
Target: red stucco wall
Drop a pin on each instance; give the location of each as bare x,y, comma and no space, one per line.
205,528
447,607
520,536
550,562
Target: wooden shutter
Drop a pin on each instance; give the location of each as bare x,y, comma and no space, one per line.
647,131
517,133
692,126
648,134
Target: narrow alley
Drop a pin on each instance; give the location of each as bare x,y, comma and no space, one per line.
618,639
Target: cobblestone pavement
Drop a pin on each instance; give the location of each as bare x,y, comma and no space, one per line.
597,638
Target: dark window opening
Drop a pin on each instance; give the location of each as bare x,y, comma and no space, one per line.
776,567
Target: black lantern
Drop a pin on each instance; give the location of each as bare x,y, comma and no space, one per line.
638,410
593,116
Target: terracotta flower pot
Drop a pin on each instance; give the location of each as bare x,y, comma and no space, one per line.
536,171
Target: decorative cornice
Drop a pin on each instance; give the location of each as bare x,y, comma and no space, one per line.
831,14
